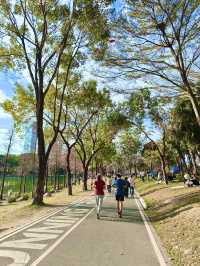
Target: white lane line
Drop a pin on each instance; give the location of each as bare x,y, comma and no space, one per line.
151,237
49,250
40,220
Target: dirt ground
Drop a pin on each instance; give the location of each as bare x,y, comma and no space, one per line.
17,214
175,213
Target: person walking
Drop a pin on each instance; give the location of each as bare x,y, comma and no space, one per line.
132,185
127,185
109,183
99,186
119,194
142,175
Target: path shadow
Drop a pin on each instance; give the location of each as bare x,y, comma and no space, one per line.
152,191
176,206
129,215
54,205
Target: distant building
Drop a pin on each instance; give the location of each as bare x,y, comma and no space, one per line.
30,137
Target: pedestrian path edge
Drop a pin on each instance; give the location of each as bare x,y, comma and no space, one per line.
159,249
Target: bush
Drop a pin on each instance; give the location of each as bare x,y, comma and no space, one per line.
25,197
11,199
17,195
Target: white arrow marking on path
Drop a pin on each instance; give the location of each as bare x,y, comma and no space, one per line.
58,241
20,258
76,211
50,228
58,221
27,242
65,217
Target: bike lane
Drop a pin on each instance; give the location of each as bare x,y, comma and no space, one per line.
24,246
110,241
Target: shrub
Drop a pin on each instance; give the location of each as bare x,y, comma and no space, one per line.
11,199
25,197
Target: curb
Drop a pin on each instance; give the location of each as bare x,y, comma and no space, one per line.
142,202
163,251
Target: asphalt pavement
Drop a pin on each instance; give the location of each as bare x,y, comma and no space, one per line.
73,236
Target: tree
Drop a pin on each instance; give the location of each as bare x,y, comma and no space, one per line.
90,143
144,106
158,42
103,161
47,37
129,146
185,132
97,133
81,108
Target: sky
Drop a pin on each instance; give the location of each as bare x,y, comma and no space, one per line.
7,85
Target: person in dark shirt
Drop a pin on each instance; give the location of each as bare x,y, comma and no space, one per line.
119,194
99,186
127,185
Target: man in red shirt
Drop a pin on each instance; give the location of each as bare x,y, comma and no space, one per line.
99,186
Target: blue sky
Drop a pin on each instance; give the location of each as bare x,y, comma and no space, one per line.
7,85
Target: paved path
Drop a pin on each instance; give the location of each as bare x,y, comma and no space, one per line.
74,237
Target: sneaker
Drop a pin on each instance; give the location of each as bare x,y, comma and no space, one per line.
98,216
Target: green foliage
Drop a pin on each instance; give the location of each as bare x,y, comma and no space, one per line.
22,106
117,120
184,123
129,142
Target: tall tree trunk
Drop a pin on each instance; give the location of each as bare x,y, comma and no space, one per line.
85,177
195,104
42,161
24,190
194,166
34,169
69,173
164,169
182,159
190,161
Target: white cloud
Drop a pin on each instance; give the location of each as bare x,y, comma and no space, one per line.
3,97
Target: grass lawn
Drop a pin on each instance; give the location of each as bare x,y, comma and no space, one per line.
174,211
13,183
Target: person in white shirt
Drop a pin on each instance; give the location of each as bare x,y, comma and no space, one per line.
132,185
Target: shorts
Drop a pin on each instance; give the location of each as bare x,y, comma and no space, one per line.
119,197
